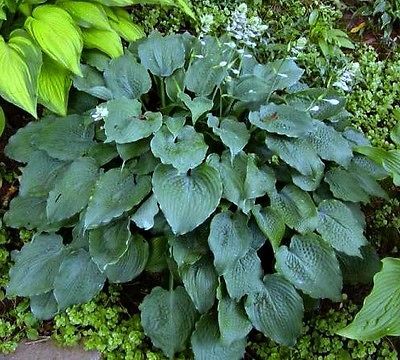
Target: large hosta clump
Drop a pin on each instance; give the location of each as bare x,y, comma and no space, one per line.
196,161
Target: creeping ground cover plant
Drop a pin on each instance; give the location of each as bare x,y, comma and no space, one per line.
234,179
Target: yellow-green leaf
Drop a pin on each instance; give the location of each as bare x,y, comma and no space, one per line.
57,34
124,25
2,121
107,41
86,14
54,84
20,62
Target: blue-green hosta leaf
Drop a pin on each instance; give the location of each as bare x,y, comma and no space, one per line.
144,215
259,181
340,227
270,223
53,86
229,239
127,78
107,41
361,163
96,59
198,106
36,266
233,322
76,139
244,276
298,153
162,55
395,133
39,174
86,14
57,34
44,306
201,282
123,24
168,318
310,265
20,214
102,153
233,134
187,200
249,88
330,144
276,310
80,237
115,192
132,263
175,84
379,315
208,345
185,150
296,208
282,119
305,182
78,280
72,189
107,244
125,123
158,254
353,186
92,82
131,150
20,63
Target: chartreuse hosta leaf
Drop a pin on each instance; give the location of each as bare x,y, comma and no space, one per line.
310,265
168,318
20,63
36,266
207,343
2,121
108,41
57,34
115,192
187,200
53,86
380,313
185,150
124,26
340,227
78,279
276,310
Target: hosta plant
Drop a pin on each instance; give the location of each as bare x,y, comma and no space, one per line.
41,44
232,178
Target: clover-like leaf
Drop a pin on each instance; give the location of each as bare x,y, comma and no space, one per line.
187,200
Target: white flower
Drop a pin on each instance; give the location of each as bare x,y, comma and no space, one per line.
223,63
315,108
331,101
100,112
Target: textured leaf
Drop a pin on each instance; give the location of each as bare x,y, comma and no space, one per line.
72,190
57,35
36,266
187,200
158,254
125,124
229,239
132,150
20,62
144,215
233,133
296,208
39,174
162,55
200,281
310,265
259,181
168,318
183,151
107,41
78,280
208,345
271,224
244,276
92,82
234,325
102,153
340,227
298,153
132,262
44,306
124,26
107,244
53,86
282,119
198,106
380,312
126,78
115,192
277,310
75,141
249,88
